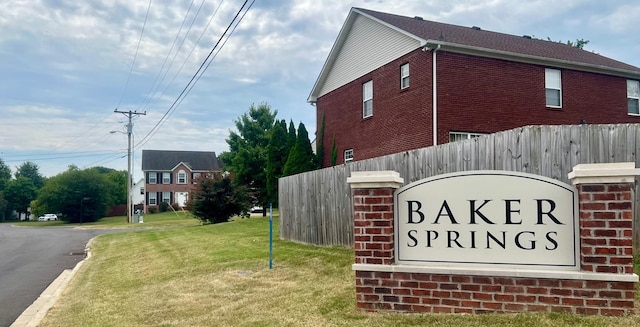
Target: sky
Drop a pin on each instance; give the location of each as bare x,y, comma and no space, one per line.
66,65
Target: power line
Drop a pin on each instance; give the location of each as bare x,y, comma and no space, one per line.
126,85
188,87
187,58
151,90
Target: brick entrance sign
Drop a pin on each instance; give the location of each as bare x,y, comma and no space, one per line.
486,241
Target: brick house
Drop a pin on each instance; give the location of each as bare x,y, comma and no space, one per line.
170,175
393,83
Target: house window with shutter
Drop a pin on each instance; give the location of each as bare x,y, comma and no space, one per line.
153,178
367,99
166,178
404,76
633,97
152,198
553,88
166,197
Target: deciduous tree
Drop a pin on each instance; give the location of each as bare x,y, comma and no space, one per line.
19,193
31,171
79,195
247,154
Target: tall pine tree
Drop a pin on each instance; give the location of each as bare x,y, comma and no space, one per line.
277,154
301,157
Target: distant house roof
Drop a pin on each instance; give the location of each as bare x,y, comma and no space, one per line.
475,41
163,160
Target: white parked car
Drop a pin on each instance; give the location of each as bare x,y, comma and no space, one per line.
48,216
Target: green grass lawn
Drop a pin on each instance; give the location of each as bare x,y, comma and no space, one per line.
218,275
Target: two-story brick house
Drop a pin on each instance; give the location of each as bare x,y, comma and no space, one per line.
170,175
393,83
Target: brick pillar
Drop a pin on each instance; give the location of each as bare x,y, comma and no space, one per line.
606,216
373,215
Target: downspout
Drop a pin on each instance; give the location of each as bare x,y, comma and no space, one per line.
435,97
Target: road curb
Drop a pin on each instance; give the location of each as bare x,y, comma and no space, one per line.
33,315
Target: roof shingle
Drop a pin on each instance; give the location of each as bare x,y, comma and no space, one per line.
429,30
166,160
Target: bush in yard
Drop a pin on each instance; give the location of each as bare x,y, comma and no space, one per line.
176,206
216,198
153,209
163,207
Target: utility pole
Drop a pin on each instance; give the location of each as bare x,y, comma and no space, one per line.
129,115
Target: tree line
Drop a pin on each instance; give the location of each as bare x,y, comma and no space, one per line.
75,195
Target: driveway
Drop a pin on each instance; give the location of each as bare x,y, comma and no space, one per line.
31,258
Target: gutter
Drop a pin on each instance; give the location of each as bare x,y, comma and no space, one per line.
434,90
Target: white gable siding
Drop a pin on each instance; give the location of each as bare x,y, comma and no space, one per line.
369,45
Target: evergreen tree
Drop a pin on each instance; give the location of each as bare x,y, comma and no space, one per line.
301,157
291,139
334,152
277,155
320,144
217,198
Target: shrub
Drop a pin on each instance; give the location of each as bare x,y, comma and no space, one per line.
153,209
217,198
176,206
163,207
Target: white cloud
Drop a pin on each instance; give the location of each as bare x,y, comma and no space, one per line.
65,62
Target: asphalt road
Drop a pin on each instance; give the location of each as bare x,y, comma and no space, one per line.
31,258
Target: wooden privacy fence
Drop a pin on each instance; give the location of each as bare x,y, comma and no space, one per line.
315,207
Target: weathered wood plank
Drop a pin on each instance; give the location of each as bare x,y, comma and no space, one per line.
316,207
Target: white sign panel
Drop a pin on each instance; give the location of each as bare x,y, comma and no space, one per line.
488,218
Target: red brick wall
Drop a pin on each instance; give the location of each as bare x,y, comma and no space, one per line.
399,291
606,220
474,95
402,121
606,247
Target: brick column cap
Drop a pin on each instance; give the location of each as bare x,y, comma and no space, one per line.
604,173
375,179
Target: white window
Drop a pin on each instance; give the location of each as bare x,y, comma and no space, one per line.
367,99
348,155
152,199
633,97
404,76
553,88
153,178
166,197
182,177
195,177
166,178
459,136
142,191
